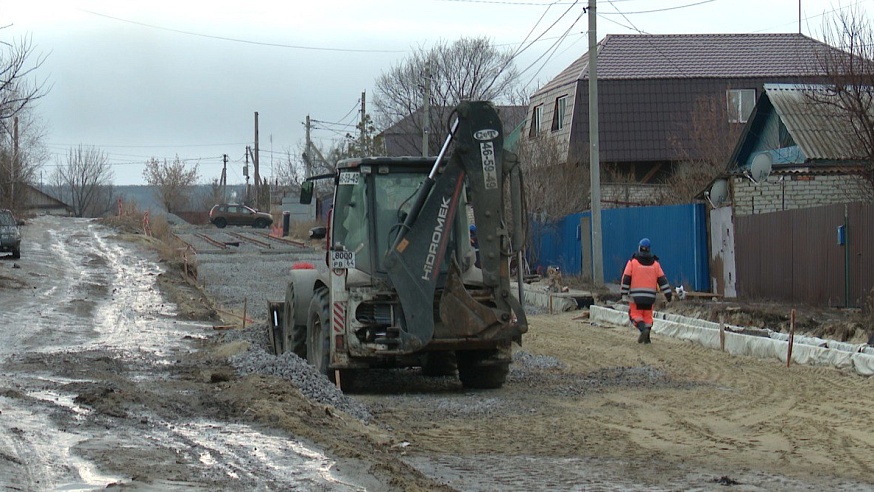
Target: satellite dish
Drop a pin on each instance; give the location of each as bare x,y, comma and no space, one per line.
761,167
718,193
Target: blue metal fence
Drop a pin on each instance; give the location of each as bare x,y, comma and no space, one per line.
678,234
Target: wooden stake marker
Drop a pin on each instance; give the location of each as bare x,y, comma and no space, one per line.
791,338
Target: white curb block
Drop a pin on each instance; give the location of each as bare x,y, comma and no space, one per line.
805,350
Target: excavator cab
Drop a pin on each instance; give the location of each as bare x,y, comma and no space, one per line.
372,200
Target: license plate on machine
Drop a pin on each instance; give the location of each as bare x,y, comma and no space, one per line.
342,259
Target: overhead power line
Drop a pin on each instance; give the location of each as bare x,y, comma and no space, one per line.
239,40
147,146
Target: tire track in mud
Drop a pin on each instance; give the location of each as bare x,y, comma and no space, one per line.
52,312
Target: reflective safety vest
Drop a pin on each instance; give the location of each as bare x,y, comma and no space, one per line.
642,281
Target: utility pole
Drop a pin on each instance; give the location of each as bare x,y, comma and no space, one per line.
307,154
246,174
224,180
363,137
15,157
594,157
257,171
312,152
426,110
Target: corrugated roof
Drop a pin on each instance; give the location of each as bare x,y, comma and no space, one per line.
656,56
822,132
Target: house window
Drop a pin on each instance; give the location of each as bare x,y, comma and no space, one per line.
740,104
536,120
559,113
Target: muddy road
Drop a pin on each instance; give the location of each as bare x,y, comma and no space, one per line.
105,381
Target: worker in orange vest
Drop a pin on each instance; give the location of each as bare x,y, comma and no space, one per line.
642,279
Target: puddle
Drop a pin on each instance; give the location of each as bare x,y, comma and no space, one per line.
40,446
289,461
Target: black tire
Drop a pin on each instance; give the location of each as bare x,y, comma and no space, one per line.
318,330
294,336
220,223
260,224
437,364
483,369
16,253
275,335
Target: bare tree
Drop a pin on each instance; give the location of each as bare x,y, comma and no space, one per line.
292,169
21,159
85,181
704,153
467,69
173,182
553,187
17,90
849,82
295,167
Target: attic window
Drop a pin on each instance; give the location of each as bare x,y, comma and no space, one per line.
740,104
559,112
536,121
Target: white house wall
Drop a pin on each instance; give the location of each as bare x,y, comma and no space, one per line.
723,272
547,100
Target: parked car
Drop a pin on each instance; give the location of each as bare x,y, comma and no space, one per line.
232,214
10,235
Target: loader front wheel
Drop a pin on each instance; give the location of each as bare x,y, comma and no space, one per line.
294,337
483,369
318,348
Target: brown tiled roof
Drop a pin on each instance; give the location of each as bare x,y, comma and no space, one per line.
656,56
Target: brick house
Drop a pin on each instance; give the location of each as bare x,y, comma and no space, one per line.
811,151
796,152
648,88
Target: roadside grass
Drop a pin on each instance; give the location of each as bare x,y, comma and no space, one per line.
156,232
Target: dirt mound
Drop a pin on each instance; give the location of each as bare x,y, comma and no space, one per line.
845,325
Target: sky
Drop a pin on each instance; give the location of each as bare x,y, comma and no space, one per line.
185,78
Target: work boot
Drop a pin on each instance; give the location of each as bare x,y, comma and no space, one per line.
644,336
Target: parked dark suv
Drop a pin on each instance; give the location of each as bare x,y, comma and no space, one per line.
10,236
232,214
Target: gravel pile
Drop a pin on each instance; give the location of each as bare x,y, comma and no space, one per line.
316,387
526,361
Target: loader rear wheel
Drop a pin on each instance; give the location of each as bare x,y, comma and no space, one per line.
483,369
436,364
294,337
318,330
